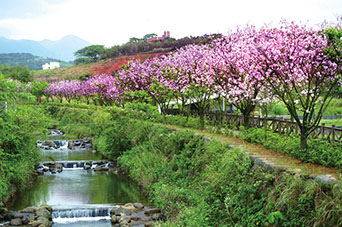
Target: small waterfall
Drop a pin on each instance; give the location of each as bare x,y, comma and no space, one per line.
81,214
61,144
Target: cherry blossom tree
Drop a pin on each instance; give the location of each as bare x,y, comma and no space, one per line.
299,72
235,60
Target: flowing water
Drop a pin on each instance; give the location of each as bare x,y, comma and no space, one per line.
78,197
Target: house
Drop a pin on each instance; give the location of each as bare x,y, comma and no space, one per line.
161,39
51,65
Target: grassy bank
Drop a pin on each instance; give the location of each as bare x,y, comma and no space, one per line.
19,127
205,183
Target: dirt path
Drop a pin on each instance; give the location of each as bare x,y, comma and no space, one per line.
274,157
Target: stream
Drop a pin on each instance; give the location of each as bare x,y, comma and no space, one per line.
78,197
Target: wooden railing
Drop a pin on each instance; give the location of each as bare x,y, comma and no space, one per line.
277,125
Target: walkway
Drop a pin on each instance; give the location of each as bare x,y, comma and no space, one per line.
274,157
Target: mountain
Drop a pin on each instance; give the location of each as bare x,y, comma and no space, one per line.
60,49
64,48
29,60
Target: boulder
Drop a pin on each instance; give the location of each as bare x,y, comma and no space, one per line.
153,211
124,220
146,219
18,215
129,206
29,210
114,219
43,213
134,218
16,222
122,212
138,206
43,222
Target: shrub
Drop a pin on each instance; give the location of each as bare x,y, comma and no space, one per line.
319,151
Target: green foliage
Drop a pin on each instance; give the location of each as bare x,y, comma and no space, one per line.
79,61
29,60
205,183
140,46
19,127
335,107
318,151
38,88
16,73
85,76
92,52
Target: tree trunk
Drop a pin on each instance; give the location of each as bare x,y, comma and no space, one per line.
303,140
201,112
246,122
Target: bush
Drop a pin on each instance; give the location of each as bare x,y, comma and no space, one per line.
204,183
19,127
319,151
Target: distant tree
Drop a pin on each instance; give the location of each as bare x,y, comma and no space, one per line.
334,36
82,61
151,35
92,52
16,73
37,88
134,40
85,76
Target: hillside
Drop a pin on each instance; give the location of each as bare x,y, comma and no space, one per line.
103,66
60,49
31,61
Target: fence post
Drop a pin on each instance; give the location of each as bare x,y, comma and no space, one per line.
287,128
333,133
280,125
322,130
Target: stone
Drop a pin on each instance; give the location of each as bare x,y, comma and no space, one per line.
43,213
148,224
16,222
146,219
122,212
29,210
18,215
114,219
325,178
153,211
128,206
138,206
42,221
124,220
134,218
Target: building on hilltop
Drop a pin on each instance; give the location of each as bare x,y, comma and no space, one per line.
161,39
51,65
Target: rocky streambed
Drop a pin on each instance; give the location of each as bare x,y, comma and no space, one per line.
31,216
81,189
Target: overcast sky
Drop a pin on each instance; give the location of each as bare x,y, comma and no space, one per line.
112,22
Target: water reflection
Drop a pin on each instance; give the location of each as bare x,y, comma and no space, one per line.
77,187
67,154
